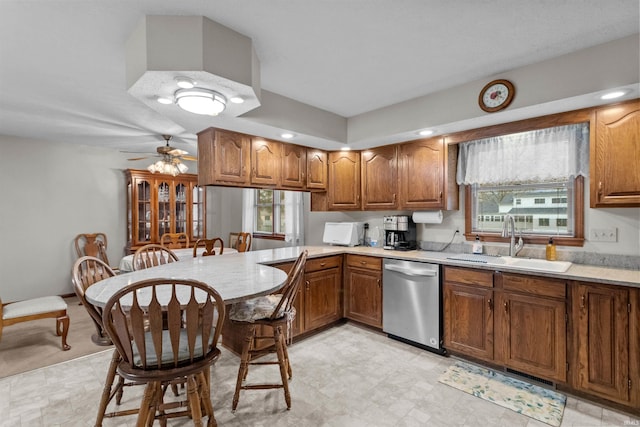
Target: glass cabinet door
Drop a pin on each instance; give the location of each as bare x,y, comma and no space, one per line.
180,208
197,212
143,209
164,208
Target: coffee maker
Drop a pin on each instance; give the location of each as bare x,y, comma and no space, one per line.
400,233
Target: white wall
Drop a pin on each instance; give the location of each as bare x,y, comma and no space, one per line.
50,193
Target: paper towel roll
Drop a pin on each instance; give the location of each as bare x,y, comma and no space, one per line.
427,217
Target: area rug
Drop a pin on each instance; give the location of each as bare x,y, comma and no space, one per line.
527,399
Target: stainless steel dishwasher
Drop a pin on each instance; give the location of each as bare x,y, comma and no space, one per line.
411,303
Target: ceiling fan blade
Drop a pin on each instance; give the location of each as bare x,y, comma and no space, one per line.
192,158
139,158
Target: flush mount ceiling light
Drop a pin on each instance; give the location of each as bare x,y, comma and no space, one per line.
286,135
185,82
201,101
425,132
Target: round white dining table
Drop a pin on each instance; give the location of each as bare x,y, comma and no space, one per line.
126,263
236,277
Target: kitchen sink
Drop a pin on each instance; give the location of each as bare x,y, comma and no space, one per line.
530,264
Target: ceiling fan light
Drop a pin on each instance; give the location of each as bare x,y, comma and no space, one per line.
182,167
164,100
201,101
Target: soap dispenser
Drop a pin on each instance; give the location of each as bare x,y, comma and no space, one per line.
477,246
551,250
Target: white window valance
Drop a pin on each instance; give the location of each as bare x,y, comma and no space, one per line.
548,155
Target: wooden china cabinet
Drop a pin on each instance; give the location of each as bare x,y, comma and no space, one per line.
158,204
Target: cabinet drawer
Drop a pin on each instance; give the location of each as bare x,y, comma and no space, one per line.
534,285
323,263
469,276
368,262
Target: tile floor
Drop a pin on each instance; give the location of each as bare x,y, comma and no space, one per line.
347,376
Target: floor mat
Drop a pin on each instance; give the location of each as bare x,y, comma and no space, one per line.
531,400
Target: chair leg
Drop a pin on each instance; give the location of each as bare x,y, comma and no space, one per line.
194,401
286,355
244,365
62,329
277,335
106,391
205,397
146,414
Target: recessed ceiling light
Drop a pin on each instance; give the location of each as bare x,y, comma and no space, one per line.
426,132
236,100
286,135
185,82
164,100
346,149
613,95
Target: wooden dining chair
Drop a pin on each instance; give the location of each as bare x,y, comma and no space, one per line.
92,244
87,271
174,240
167,330
277,312
207,247
152,255
243,244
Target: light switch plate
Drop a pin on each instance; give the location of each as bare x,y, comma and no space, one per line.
604,235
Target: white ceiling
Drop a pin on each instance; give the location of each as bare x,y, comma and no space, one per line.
62,63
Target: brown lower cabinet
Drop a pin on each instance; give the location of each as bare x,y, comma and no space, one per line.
607,341
318,303
363,289
513,320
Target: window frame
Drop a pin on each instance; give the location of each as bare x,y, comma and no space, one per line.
274,207
576,240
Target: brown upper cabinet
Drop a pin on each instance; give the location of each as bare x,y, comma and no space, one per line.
422,174
343,192
224,158
265,162
380,178
234,159
317,169
615,156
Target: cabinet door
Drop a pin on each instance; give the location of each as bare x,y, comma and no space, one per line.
164,208
232,158
363,296
531,335
142,214
344,180
316,169
322,297
601,321
421,172
615,156
265,162
379,178
294,165
468,320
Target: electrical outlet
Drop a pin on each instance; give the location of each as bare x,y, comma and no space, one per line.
604,235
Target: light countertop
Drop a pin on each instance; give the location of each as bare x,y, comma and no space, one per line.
581,272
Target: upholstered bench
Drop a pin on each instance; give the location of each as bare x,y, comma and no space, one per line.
37,308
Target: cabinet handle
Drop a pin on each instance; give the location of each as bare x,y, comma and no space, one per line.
599,190
379,283
394,198
506,307
322,264
306,282
363,262
490,304
441,195
582,301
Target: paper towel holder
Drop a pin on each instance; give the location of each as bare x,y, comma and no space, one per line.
427,217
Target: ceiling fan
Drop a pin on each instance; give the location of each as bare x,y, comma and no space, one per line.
169,153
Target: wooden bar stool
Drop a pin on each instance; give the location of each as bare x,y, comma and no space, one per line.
277,312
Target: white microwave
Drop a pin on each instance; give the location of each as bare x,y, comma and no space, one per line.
343,233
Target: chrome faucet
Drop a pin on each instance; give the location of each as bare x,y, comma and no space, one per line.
509,229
